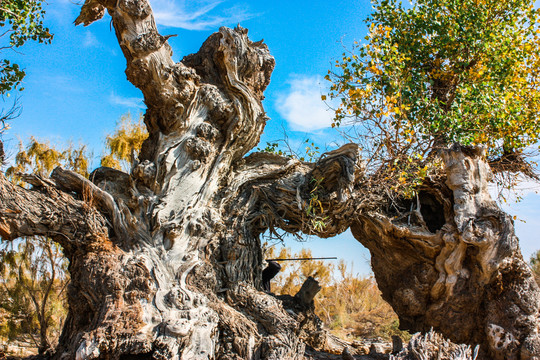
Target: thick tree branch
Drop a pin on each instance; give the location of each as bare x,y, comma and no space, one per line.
44,210
314,198
148,55
71,181
453,261
191,289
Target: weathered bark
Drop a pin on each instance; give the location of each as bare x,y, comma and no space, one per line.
166,261
453,263
433,346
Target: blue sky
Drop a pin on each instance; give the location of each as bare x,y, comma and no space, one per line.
76,89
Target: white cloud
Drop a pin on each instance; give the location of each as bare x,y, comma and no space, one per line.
56,84
90,40
302,106
196,15
131,102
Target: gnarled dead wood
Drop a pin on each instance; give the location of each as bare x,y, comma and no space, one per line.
456,277
166,261
307,292
46,211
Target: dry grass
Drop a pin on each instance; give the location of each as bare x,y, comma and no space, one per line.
351,306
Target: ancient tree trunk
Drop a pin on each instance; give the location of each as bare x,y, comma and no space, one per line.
166,261
453,263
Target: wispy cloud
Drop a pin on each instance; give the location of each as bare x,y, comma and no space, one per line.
131,102
90,40
198,14
302,106
57,84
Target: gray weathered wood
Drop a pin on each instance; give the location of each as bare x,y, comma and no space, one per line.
166,261
307,292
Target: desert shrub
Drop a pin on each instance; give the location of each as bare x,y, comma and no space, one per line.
350,305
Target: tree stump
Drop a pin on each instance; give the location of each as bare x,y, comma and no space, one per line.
307,292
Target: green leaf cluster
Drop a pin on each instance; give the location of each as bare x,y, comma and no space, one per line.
283,148
20,21
443,71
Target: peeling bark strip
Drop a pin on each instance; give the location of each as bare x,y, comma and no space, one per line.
166,261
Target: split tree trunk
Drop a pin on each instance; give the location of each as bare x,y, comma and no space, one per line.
166,261
453,263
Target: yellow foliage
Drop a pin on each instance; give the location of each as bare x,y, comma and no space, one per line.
110,161
41,158
535,265
18,266
125,143
32,297
350,306
463,72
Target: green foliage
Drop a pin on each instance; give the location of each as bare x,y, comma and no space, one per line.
21,21
314,210
443,71
11,76
311,150
125,143
274,148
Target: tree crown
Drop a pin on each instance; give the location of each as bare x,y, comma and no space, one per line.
440,72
